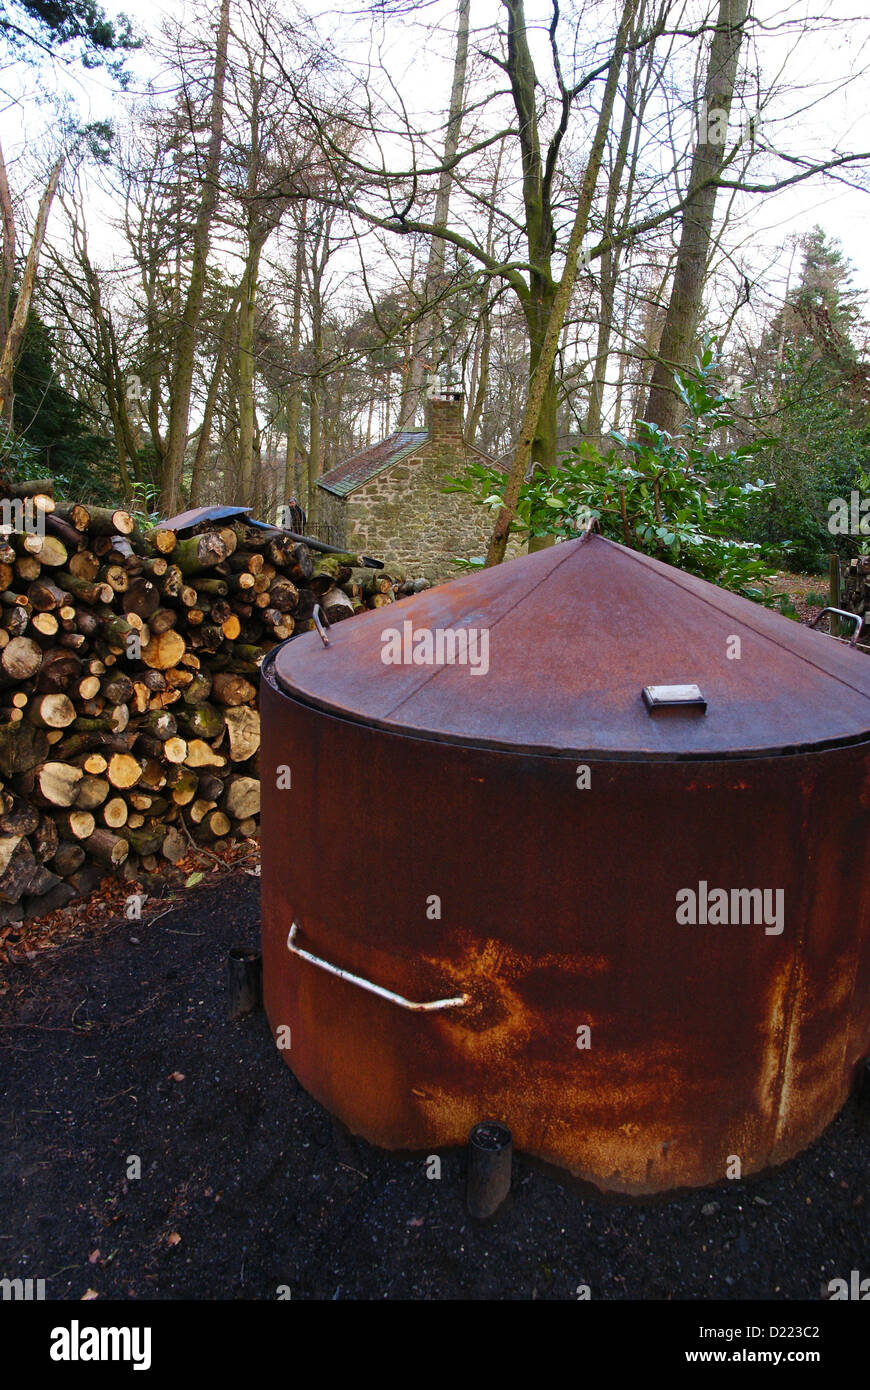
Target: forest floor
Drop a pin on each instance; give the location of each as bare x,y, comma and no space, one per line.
115,1044
808,592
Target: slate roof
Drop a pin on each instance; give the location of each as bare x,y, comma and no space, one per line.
352,472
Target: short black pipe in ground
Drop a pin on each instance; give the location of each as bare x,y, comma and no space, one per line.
490,1154
245,974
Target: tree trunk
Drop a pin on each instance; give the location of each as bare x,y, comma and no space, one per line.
247,411
610,259
483,339
15,336
313,451
538,300
540,389
197,476
425,342
539,310
664,407
292,472
7,275
182,377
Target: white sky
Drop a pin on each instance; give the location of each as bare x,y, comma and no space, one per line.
824,117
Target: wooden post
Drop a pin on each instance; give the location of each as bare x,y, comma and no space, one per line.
245,974
834,591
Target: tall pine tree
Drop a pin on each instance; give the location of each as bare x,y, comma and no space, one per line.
812,393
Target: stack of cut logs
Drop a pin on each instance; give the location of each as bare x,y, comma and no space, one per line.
129,731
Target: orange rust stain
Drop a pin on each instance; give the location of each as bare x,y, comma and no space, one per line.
790,1011
767,1093
497,1017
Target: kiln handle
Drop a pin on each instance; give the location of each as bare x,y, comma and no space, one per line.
841,613
429,1006
321,622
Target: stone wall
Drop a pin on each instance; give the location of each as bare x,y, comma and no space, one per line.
404,518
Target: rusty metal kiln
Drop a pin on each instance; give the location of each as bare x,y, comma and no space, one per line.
471,885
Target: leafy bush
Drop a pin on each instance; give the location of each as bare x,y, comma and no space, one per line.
672,497
20,461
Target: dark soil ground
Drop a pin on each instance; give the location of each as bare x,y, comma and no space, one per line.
117,1044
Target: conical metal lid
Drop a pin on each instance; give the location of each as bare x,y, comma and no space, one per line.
559,647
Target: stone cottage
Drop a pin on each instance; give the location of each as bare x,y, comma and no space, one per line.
387,499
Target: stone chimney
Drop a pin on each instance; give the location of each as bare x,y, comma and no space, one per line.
444,418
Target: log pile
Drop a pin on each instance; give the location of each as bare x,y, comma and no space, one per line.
129,667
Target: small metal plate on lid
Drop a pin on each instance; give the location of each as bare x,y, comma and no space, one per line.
657,697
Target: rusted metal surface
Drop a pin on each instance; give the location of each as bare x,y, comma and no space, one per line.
575,633
557,905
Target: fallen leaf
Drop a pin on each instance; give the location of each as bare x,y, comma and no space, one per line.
93,1257
176,1076
416,1221
173,1238
89,1293
194,878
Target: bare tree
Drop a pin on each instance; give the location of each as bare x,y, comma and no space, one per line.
684,308
182,375
427,329
542,382
15,332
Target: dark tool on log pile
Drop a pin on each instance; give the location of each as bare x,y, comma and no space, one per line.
197,515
